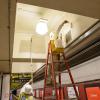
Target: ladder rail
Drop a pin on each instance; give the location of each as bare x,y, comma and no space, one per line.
72,80
59,76
53,74
45,75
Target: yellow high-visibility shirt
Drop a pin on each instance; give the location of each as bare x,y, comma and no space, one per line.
24,96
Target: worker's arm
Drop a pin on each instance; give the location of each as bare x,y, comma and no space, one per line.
60,26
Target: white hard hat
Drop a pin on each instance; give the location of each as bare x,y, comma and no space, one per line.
28,89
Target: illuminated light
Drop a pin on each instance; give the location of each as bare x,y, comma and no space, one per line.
51,36
42,27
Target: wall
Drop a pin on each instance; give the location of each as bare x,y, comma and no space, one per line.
89,70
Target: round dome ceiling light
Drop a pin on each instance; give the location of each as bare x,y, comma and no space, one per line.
42,27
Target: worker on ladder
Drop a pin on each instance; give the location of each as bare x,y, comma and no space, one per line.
55,48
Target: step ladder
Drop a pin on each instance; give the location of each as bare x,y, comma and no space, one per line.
52,64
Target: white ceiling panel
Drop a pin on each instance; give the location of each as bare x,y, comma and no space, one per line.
25,67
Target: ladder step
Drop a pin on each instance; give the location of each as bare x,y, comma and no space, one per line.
56,53
52,86
50,97
59,61
59,72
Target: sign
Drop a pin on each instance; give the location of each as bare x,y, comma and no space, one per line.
71,92
93,93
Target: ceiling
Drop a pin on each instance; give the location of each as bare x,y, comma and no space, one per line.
90,8
27,17
25,25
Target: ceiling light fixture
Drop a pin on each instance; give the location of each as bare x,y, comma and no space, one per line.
51,36
41,27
